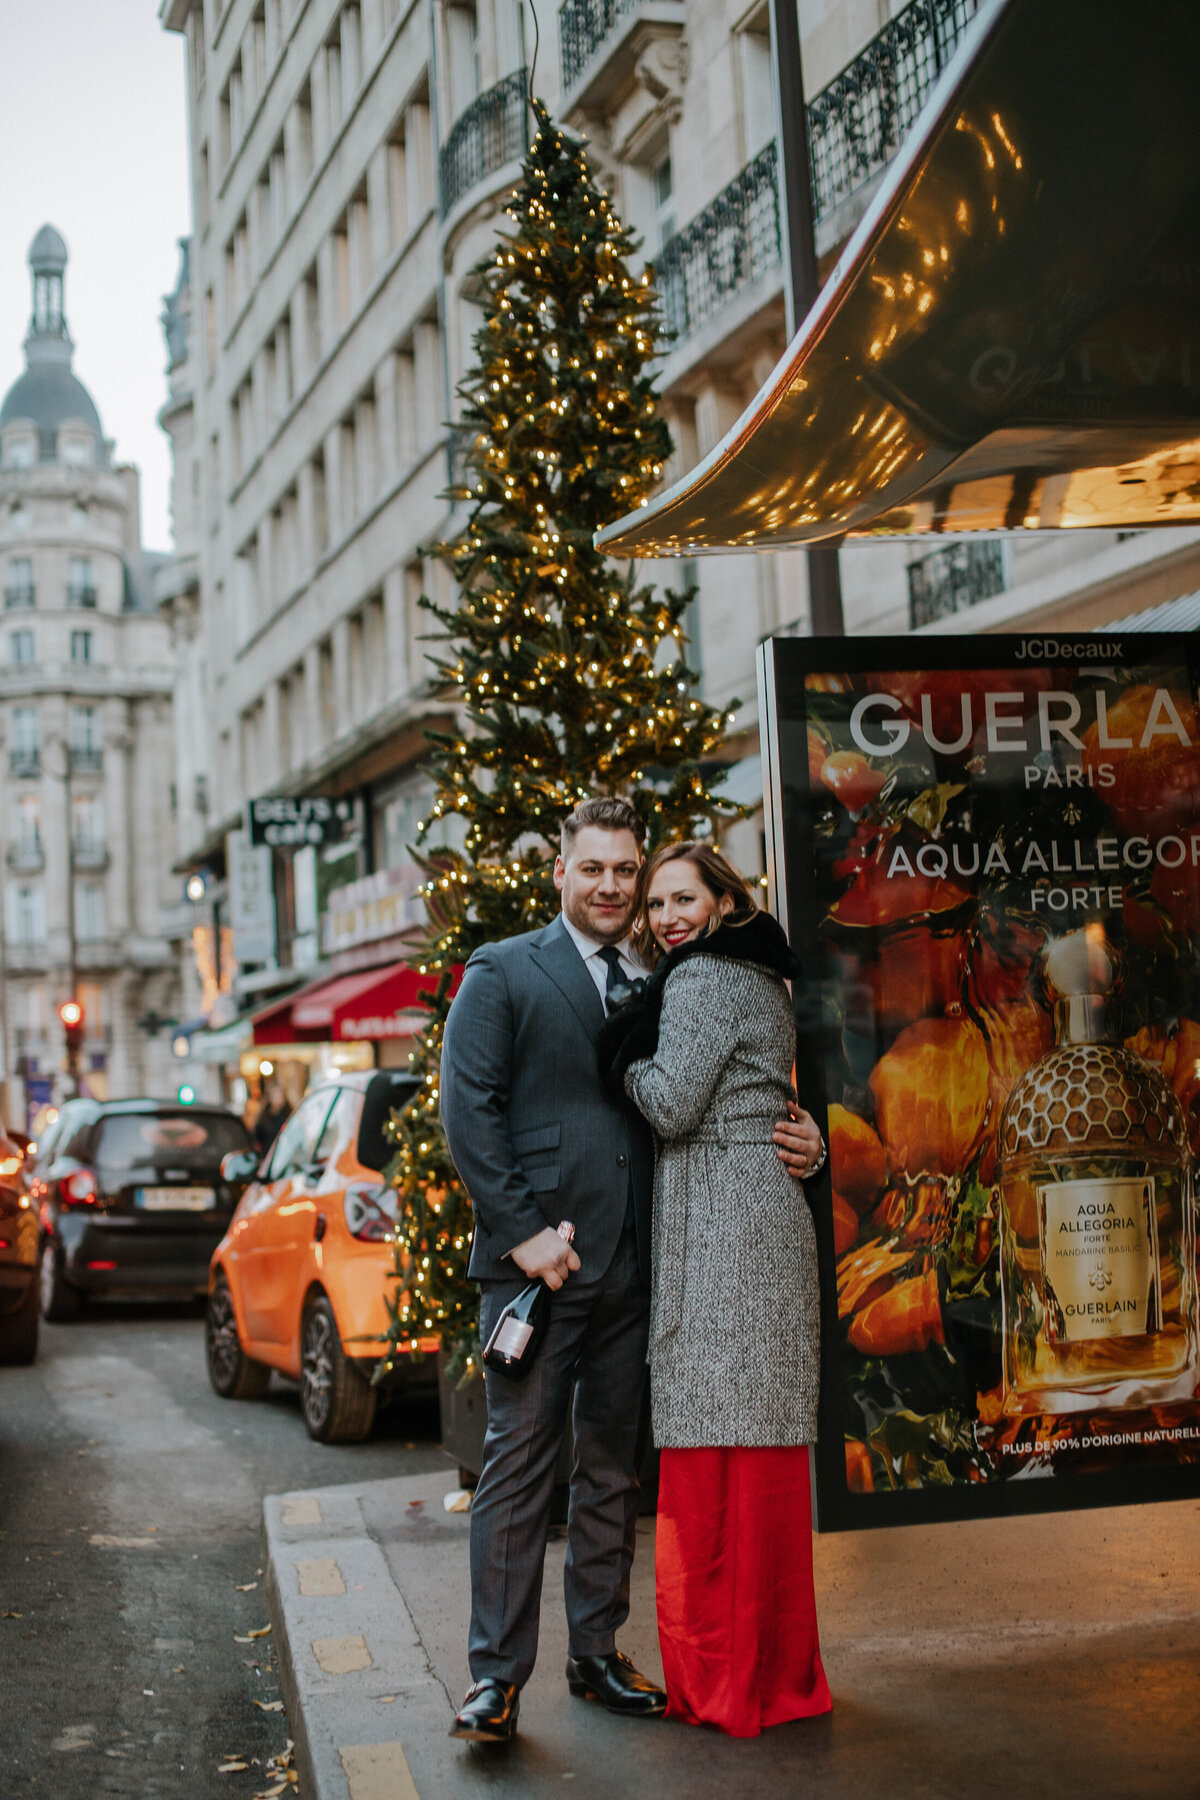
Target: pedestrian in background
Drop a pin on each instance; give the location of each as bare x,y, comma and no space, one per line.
273,1113
706,1051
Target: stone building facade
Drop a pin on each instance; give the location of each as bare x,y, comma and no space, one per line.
85,712
350,159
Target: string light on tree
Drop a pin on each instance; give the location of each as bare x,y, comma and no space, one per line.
571,673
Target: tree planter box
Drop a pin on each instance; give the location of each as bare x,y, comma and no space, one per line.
464,1424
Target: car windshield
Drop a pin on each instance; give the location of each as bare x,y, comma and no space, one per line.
183,1140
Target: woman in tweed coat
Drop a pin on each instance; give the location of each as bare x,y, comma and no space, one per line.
706,1053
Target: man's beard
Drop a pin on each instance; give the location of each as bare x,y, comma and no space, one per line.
610,933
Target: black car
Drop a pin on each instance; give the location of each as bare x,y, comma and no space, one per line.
130,1199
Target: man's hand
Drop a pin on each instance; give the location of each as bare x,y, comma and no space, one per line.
798,1142
546,1256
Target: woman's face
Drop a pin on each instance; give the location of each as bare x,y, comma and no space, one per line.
679,905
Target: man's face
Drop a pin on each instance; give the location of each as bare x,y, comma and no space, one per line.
598,882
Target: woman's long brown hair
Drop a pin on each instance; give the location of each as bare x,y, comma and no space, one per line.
714,872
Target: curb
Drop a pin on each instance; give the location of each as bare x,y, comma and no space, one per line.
360,1689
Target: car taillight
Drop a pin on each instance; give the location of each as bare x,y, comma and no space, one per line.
79,1188
370,1212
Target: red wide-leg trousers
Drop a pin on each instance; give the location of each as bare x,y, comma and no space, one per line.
737,1615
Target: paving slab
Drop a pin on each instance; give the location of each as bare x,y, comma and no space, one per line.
1055,1656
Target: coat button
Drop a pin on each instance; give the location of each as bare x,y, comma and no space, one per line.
621,1162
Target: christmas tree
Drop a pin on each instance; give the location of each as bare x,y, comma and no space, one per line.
572,674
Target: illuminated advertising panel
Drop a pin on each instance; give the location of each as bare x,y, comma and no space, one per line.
987,855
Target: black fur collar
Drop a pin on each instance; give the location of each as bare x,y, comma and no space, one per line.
630,1033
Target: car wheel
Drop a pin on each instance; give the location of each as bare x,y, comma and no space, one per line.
233,1374
60,1299
19,1330
337,1400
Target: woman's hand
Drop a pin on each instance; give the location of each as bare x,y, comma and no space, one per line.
798,1143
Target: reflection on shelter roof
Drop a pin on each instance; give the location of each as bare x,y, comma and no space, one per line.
1011,339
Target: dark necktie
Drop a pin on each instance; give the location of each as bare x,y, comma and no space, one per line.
616,982
616,989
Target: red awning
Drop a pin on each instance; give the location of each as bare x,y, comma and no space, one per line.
370,1004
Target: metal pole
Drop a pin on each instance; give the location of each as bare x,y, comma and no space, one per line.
801,281
72,949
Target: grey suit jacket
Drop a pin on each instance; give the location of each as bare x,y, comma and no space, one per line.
533,1133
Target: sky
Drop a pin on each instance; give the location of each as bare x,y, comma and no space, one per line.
93,139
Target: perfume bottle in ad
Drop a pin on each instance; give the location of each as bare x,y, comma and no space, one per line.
1097,1209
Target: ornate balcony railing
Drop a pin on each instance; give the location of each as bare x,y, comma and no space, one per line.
727,245
857,123
87,759
26,855
493,131
24,762
583,26
79,594
19,597
954,578
89,853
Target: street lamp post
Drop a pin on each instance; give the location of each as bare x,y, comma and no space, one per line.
801,281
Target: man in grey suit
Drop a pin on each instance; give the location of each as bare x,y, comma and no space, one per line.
537,1139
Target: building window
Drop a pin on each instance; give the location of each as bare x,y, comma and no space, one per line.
662,190
27,822
87,824
81,646
77,453
85,746
81,586
18,589
90,916
24,742
20,647
18,453
27,913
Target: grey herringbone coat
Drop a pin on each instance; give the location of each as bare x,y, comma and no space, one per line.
734,1329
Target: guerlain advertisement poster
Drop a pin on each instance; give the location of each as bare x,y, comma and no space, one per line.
987,854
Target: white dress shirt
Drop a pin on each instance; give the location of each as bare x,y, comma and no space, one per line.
631,964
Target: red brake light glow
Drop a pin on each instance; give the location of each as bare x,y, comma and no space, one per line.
79,1188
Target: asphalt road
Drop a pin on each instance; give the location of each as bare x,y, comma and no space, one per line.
130,1518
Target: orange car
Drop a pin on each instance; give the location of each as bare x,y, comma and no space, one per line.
298,1282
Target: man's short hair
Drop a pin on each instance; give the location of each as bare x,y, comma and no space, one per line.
607,811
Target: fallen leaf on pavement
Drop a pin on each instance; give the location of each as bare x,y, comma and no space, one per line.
269,1705
245,1587
262,1632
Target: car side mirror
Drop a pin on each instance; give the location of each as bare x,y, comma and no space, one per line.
239,1167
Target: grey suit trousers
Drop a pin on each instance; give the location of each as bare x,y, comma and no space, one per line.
596,1340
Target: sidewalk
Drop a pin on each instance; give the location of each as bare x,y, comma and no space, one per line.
1055,1656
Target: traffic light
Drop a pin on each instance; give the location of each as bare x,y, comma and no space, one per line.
71,1014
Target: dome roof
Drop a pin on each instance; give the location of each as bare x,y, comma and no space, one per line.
50,395
48,250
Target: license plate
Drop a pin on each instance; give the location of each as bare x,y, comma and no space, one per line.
176,1199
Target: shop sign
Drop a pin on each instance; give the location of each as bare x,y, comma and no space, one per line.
251,899
377,906
284,822
987,855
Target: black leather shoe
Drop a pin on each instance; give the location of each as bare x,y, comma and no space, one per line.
614,1681
488,1715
